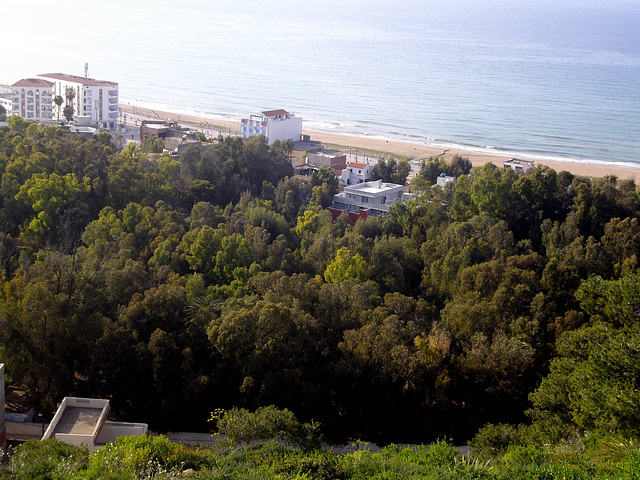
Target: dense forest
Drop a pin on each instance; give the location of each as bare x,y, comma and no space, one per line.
175,286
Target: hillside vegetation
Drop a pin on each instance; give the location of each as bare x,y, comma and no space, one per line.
174,287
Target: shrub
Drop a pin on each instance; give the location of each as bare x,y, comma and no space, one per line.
136,455
494,440
267,423
47,460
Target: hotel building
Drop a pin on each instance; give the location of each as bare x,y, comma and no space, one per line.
32,99
96,100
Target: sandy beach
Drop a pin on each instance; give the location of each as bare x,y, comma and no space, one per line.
404,149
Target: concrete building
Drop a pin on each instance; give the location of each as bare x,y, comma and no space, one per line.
443,179
5,101
95,99
520,165
355,173
273,124
82,421
332,159
367,199
32,99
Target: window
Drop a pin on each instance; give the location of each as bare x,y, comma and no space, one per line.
384,200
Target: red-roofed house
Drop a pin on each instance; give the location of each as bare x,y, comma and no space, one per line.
95,99
273,124
32,99
356,173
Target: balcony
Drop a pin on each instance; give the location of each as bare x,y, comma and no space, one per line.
113,100
113,93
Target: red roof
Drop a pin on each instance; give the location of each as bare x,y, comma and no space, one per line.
33,82
276,113
87,82
357,165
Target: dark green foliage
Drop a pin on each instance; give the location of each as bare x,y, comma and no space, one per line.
434,167
223,281
391,171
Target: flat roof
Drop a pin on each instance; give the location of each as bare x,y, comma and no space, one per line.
377,186
78,420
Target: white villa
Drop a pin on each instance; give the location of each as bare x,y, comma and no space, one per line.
517,164
96,100
32,99
356,173
367,199
273,124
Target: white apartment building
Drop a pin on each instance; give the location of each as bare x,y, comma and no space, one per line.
94,99
273,124
31,98
368,198
5,99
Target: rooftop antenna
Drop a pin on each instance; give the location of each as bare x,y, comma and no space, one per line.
86,71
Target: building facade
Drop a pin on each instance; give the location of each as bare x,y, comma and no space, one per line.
355,173
96,100
273,124
32,99
5,99
367,199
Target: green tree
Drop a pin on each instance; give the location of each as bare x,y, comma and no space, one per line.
591,384
346,266
57,202
391,171
68,113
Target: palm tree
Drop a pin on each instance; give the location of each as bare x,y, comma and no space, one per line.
58,100
70,93
287,145
68,111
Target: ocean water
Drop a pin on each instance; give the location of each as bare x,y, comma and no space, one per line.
540,79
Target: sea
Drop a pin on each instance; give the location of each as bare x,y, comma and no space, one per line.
542,79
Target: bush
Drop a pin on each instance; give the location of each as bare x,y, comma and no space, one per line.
141,456
267,423
494,440
47,460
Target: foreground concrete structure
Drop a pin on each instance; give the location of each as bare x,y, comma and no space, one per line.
82,421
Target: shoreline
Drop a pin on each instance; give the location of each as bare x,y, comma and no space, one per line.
414,151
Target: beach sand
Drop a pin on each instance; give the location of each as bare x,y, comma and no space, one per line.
403,149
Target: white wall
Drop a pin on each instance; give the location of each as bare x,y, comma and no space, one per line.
288,128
